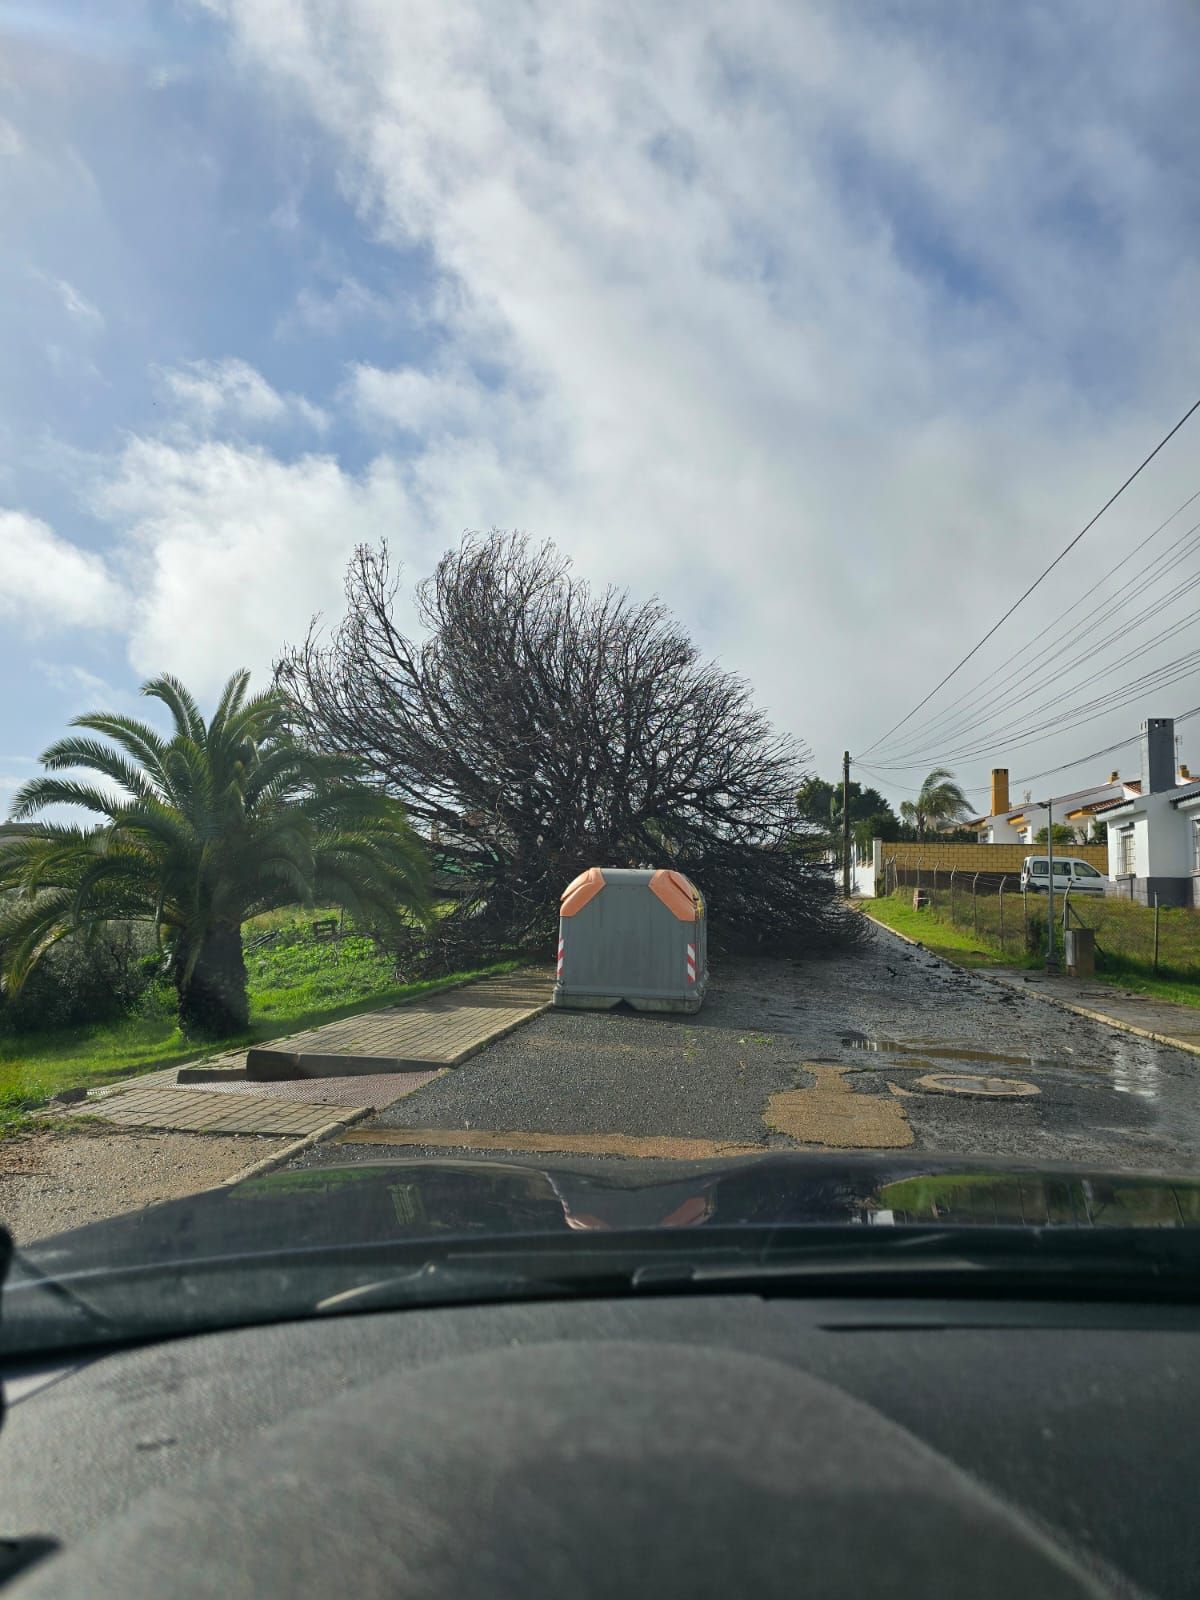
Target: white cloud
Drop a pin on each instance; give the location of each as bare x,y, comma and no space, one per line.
48,584
757,339
232,551
11,142
425,403
348,301
78,307
85,689
232,392
167,75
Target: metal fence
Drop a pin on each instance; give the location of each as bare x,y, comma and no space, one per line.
918,876
989,904
993,907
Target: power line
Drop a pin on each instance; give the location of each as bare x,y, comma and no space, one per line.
993,734
972,695
1195,406
1095,755
946,721
1159,678
1046,772
883,777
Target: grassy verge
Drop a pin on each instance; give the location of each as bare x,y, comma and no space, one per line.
943,938
294,984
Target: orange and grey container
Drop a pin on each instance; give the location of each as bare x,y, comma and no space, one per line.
632,934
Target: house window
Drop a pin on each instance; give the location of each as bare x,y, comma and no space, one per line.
1196,844
1125,866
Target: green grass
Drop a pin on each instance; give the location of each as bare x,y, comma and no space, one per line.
295,983
1180,991
941,937
938,934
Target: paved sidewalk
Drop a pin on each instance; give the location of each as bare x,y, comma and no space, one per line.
416,1041
1145,1015
194,1111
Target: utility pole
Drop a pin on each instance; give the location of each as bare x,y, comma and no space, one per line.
1051,958
846,824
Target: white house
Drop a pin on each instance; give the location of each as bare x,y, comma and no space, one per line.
1006,824
1154,838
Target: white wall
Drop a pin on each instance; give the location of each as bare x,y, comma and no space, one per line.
1169,849
998,831
1162,845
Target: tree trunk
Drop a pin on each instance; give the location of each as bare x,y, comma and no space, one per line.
213,1002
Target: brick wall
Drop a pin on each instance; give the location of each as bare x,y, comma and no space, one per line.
934,857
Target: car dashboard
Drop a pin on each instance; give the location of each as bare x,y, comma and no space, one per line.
653,1444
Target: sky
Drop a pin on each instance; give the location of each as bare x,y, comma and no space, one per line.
828,324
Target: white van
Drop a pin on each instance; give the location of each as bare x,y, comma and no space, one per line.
1069,873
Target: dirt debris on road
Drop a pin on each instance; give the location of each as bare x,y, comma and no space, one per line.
53,1180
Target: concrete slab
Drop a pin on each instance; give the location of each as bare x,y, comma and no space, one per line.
377,1092
443,1031
198,1111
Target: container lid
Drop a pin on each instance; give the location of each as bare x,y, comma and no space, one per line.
580,890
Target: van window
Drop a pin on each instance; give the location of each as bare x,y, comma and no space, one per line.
1062,869
1039,869
1083,870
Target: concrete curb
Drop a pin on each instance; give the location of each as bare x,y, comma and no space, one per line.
1047,999
270,1163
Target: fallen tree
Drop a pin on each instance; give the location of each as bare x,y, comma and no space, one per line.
542,727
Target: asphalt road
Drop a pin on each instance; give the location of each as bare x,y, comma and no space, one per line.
829,1054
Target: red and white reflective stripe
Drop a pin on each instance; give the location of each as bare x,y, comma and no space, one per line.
691,963
561,948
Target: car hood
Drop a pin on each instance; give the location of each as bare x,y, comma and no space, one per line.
374,1202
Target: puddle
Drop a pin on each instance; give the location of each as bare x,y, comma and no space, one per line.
1128,1069
919,1050
938,1052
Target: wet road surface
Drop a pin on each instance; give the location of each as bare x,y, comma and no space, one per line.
888,1047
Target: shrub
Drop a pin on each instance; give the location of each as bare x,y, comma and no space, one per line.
86,980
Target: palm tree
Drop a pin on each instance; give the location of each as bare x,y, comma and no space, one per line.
200,832
940,800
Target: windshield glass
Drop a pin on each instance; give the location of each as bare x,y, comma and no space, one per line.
530,559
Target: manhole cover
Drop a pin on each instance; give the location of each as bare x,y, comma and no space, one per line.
988,1088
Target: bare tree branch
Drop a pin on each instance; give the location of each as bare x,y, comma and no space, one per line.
542,727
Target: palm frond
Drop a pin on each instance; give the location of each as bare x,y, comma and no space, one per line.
179,702
74,751
38,793
228,705
138,739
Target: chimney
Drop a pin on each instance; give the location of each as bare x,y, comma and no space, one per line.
1184,773
1158,754
999,790
1114,777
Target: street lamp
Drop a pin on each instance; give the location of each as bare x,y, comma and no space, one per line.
1051,957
